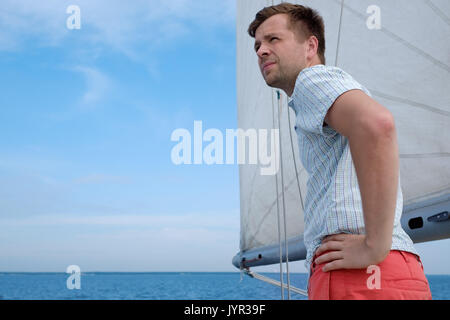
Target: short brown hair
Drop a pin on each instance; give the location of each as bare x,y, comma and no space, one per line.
307,22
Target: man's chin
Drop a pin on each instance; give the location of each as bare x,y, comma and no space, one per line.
272,83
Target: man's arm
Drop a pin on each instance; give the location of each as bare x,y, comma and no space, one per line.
372,136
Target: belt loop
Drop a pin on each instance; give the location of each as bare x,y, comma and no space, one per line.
404,255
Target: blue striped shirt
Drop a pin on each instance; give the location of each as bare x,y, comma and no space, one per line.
333,202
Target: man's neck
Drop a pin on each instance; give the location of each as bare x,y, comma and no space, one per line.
290,90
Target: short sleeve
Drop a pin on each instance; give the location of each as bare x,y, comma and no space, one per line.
316,89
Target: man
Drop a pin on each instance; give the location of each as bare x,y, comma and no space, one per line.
348,144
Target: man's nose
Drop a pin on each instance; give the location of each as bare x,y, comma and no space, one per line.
263,51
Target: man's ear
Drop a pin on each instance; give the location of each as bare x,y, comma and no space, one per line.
313,46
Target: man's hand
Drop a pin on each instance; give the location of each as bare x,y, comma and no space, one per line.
349,251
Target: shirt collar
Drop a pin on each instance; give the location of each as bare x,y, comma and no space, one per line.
291,102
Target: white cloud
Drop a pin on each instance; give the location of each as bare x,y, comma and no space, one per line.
189,242
166,222
98,85
158,242
99,178
24,19
121,25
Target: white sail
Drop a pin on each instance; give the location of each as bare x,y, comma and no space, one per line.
400,51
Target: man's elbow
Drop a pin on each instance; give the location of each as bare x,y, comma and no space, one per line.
384,124
381,125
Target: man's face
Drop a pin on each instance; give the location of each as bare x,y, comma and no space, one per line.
281,55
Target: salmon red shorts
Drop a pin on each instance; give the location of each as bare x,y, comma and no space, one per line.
399,277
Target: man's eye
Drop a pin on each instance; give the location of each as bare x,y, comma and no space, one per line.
273,38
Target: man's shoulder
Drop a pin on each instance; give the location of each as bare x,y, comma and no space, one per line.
322,79
320,70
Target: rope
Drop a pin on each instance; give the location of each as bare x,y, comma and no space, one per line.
295,161
278,211
278,207
254,275
339,33
282,194
274,282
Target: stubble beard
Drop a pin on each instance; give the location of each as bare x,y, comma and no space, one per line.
276,79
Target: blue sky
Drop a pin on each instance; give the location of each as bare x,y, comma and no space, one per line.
85,164
85,168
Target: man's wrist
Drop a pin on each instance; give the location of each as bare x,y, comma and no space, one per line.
378,248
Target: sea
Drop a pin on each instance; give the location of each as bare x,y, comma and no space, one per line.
161,286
